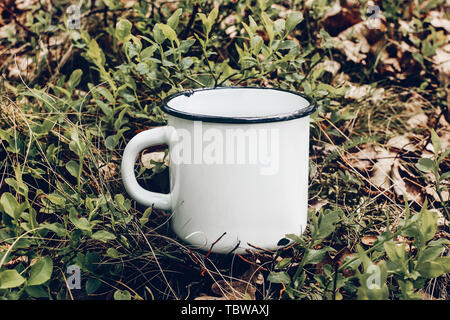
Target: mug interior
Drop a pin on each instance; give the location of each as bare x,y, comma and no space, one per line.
237,103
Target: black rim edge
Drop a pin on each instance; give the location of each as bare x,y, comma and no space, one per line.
303,112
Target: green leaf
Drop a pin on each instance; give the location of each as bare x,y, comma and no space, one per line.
133,47
313,256
213,16
208,22
56,198
73,168
327,224
111,142
41,271
92,285
430,253
103,236
147,52
431,269
123,30
145,216
408,290
445,263
142,68
444,155
37,291
425,164
436,142
445,176
256,44
296,239
75,78
112,4
283,263
10,279
429,224
113,253
158,34
55,227
80,223
268,25
186,62
10,205
175,18
248,29
105,93
107,110
185,45
395,252
262,4
279,25
168,32
279,277
122,295
95,53
293,19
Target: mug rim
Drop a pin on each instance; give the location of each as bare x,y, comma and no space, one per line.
300,113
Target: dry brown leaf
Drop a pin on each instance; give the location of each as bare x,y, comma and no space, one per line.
401,240
341,79
438,20
330,66
363,159
419,120
234,290
382,168
431,190
360,39
388,171
369,240
356,52
229,24
377,95
358,92
444,137
259,278
25,4
441,222
158,156
108,171
396,60
405,184
231,31
340,259
230,290
402,142
128,3
339,18
442,61
7,31
317,204
21,66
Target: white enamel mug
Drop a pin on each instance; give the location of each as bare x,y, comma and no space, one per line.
238,166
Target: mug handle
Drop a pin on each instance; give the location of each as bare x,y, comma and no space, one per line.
139,142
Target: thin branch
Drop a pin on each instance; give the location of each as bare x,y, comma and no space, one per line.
191,21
